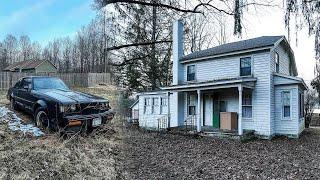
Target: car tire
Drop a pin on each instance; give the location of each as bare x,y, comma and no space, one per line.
13,104
41,119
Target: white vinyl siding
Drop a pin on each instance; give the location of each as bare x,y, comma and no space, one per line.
284,60
286,126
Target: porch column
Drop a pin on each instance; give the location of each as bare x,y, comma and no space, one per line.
199,111
168,104
240,111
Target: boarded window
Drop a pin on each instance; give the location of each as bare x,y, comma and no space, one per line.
286,104
245,66
191,73
247,105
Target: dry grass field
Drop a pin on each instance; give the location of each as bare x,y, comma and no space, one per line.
117,152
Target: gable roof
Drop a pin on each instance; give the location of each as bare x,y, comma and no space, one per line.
28,64
249,44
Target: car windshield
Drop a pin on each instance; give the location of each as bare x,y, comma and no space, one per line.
48,83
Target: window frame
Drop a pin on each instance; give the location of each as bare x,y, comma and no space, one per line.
277,62
250,105
187,74
153,104
163,103
251,68
301,105
146,104
283,106
191,105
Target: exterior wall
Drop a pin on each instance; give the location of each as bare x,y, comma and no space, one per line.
284,60
148,119
287,126
261,96
133,111
215,69
46,67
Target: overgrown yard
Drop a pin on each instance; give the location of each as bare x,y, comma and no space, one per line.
116,152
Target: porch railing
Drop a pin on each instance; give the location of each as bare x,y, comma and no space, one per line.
163,123
190,123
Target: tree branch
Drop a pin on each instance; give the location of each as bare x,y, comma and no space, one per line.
137,44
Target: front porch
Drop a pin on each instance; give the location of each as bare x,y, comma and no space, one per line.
215,109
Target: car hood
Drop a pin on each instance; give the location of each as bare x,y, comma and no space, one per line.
68,96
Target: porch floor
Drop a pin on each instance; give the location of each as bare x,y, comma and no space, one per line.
209,131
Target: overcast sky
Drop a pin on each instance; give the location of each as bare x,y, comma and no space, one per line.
45,20
271,22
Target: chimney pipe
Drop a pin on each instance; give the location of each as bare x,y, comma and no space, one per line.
177,70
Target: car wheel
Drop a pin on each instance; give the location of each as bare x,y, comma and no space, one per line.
41,118
13,104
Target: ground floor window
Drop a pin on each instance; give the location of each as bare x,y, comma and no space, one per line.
146,104
191,104
247,105
285,104
301,105
163,104
155,104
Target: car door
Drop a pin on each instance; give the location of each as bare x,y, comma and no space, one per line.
24,94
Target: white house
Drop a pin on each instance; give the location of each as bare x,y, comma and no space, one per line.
254,78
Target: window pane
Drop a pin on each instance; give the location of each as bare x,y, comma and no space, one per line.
245,66
286,111
191,99
192,110
191,73
247,111
247,98
286,98
245,62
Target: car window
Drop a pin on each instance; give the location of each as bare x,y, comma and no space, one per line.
25,82
17,85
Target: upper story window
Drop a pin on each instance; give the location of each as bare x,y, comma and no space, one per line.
191,73
276,58
286,104
245,66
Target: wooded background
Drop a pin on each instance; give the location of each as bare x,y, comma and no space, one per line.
132,40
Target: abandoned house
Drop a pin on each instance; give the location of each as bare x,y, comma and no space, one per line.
32,66
249,85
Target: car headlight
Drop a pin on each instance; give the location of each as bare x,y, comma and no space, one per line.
66,108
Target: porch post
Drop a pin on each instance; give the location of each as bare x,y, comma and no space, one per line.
240,111
168,104
199,111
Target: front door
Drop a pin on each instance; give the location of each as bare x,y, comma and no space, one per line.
208,110
216,114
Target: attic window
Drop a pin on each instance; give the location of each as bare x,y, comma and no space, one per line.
245,66
276,57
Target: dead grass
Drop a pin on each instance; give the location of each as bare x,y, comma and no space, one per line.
51,157
116,152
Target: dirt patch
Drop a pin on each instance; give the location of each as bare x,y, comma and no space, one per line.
166,156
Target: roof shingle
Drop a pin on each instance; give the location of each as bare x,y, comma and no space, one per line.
248,44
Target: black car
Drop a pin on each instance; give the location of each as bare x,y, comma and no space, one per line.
53,105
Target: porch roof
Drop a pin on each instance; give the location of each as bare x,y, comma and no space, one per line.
247,82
